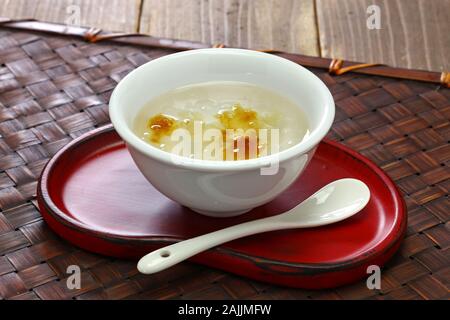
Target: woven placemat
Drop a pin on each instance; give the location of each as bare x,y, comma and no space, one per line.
54,88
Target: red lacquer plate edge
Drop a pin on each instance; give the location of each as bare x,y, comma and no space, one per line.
304,275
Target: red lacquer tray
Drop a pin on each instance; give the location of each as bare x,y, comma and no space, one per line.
92,194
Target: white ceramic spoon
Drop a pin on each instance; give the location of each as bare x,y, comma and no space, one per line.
335,202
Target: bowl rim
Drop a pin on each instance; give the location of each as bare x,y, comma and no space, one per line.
131,139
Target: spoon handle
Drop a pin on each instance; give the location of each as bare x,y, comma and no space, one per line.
168,256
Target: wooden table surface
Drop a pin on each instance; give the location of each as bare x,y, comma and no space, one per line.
413,34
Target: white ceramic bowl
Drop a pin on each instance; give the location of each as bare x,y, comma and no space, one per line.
221,188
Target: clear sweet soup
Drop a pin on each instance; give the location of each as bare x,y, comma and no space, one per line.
221,121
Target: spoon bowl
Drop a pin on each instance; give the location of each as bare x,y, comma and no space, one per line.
336,201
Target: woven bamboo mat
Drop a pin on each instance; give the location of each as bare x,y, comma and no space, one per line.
54,88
